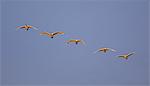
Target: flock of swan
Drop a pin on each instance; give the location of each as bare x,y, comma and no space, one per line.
76,41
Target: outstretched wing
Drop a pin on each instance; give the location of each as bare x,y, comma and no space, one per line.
34,28
20,27
44,33
131,53
112,50
96,51
55,33
121,56
82,41
71,41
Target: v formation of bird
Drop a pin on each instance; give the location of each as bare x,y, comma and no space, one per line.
76,41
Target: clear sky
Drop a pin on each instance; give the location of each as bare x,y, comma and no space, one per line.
28,58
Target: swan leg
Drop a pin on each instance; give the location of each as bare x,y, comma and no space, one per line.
76,43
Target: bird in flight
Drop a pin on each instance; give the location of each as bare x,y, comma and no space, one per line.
126,56
76,41
26,27
51,35
104,50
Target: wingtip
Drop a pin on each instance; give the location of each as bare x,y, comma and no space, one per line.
62,32
96,51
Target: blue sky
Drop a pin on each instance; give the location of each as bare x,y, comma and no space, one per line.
28,58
